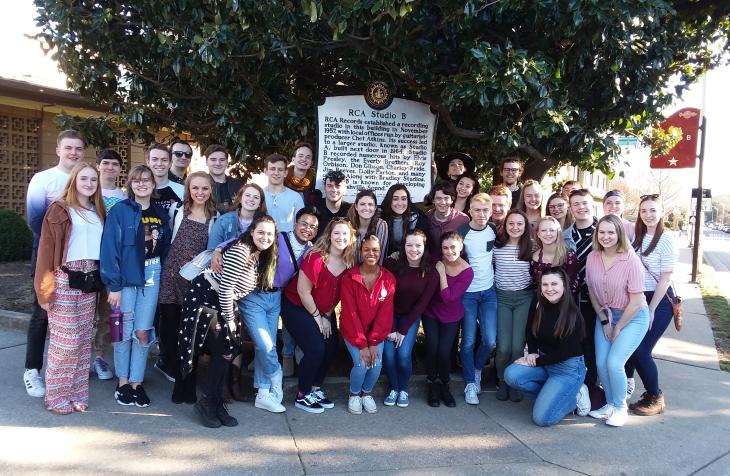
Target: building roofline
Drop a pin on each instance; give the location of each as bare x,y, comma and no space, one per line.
45,95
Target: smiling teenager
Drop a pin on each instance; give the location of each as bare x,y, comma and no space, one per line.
225,187
552,252
363,215
531,202
69,243
401,216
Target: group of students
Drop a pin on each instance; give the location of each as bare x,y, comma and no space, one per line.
572,288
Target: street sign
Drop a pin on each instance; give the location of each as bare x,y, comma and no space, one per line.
706,199
684,154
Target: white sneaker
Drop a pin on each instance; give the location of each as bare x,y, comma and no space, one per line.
34,383
368,403
630,387
101,369
478,381
470,394
354,404
602,413
583,401
277,386
618,417
266,400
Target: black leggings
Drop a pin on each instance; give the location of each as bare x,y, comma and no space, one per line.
439,339
217,347
318,351
589,343
169,330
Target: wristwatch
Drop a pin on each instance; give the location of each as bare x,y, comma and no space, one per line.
604,323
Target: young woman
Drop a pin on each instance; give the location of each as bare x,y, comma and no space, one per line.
553,252
512,255
308,305
192,221
559,208
209,323
466,187
531,204
442,317
365,320
658,254
615,278
70,241
401,216
416,283
133,247
553,371
613,204
363,214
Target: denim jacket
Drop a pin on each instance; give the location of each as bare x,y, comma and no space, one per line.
224,228
121,262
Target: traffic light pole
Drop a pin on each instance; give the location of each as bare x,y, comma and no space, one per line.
699,218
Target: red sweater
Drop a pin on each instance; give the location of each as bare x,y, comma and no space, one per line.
366,317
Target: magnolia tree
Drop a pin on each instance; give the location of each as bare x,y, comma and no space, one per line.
555,79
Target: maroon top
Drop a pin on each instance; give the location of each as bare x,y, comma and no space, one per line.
446,305
413,292
570,266
437,228
325,285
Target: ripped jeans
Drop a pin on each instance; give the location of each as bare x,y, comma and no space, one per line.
138,304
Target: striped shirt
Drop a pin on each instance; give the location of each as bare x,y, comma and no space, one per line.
611,287
511,274
239,277
583,238
660,260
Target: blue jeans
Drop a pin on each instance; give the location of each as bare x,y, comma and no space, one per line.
398,363
641,360
480,306
259,312
612,356
139,304
553,387
289,345
363,379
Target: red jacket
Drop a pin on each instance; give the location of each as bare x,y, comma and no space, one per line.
366,317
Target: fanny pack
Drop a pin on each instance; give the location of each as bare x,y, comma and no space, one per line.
86,282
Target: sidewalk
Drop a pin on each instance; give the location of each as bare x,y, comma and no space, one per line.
494,437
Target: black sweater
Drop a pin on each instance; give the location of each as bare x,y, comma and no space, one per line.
552,349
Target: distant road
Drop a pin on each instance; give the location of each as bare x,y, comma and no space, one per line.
716,248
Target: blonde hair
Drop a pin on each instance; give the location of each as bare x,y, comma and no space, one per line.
623,243
521,202
482,197
209,204
70,195
561,249
324,242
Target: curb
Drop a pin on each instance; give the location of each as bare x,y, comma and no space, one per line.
14,320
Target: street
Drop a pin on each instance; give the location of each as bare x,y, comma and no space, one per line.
716,250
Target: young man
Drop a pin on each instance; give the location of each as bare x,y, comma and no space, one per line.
569,186
281,203
226,188
579,238
442,217
109,164
451,166
332,205
181,155
480,299
168,193
510,171
300,173
44,188
501,203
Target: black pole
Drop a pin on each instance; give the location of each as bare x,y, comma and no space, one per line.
696,251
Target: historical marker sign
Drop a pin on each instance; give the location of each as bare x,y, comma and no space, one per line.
376,148
684,154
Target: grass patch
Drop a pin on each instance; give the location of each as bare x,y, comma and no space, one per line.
718,311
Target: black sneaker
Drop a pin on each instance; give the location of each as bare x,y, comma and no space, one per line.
140,397
124,395
162,368
309,404
322,399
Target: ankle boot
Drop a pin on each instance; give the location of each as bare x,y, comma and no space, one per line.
207,411
236,386
434,394
649,405
221,413
446,396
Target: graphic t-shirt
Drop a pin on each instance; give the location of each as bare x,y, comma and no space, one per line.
153,231
112,197
167,197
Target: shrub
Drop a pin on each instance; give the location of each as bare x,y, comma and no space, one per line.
16,239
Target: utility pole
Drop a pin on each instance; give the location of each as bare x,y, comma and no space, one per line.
699,218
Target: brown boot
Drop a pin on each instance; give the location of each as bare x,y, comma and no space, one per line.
649,405
236,385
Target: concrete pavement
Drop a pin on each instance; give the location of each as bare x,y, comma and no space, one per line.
494,437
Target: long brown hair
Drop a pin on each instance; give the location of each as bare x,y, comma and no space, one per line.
525,243
239,196
640,228
569,317
402,264
209,205
354,217
323,243
623,244
569,219
268,257
70,195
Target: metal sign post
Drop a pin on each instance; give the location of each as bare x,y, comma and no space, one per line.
699,214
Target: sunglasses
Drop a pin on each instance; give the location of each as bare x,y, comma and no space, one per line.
179,154
651,196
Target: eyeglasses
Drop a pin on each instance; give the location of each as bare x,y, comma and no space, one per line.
651,196
557,206
179,154
310,226
144,181
510,170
